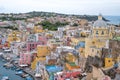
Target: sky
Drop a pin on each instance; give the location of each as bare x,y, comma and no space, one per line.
80,7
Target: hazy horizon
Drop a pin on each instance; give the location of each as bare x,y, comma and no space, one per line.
57,13
77,7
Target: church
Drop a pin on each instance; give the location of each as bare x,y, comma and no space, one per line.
101,33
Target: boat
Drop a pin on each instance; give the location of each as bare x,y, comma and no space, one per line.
19,73
5,78
24,75
1,53
8,58
18,69
7,65
29,78
13,68
3,60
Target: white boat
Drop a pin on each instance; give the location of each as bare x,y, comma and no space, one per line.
5,78
38,75
19,72
1,53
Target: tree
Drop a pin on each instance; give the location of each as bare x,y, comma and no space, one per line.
51,26
75,24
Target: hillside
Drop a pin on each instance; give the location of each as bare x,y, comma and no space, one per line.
49,14
24,16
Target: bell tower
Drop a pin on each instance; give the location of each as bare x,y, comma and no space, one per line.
100,17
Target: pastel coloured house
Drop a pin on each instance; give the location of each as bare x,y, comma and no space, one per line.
38,29
42,52
14,36
25,59
42,39
70,57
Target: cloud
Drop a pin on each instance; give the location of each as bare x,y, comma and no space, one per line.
63,6
2,8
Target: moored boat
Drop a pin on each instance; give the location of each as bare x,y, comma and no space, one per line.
5,78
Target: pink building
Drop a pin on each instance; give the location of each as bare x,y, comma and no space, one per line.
25,59
30,46
32,43
43,40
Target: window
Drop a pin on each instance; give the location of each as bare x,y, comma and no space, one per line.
92,50
96,32
93,42
30,49
32,45
102,33
109,61
97,51
42,43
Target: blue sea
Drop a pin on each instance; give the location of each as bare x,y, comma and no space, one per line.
113,19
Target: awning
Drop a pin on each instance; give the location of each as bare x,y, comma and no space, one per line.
23,65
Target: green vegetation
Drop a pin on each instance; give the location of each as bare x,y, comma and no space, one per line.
48,14
45,14
10,27
52,14
117,38
52,26
10,18
90,18
75,24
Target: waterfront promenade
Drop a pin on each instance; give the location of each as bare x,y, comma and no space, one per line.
8,71
32,74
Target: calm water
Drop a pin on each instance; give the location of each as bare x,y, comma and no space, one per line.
113,19
8,72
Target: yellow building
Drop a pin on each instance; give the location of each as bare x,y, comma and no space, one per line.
118,59
75,41
109,62
14,36
33,64
71,66
53,43
38,29
71,61
42,52
83,22
101,32
93,46
82,51
70,57
84,34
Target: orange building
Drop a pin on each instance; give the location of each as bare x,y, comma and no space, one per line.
71,66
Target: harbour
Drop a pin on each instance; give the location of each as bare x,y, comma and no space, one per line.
12,72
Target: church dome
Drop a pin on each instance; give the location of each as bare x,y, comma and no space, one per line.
100,22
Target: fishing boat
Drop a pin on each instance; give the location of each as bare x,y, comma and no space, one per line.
24,75
29,78
5,78
7,65
19,73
